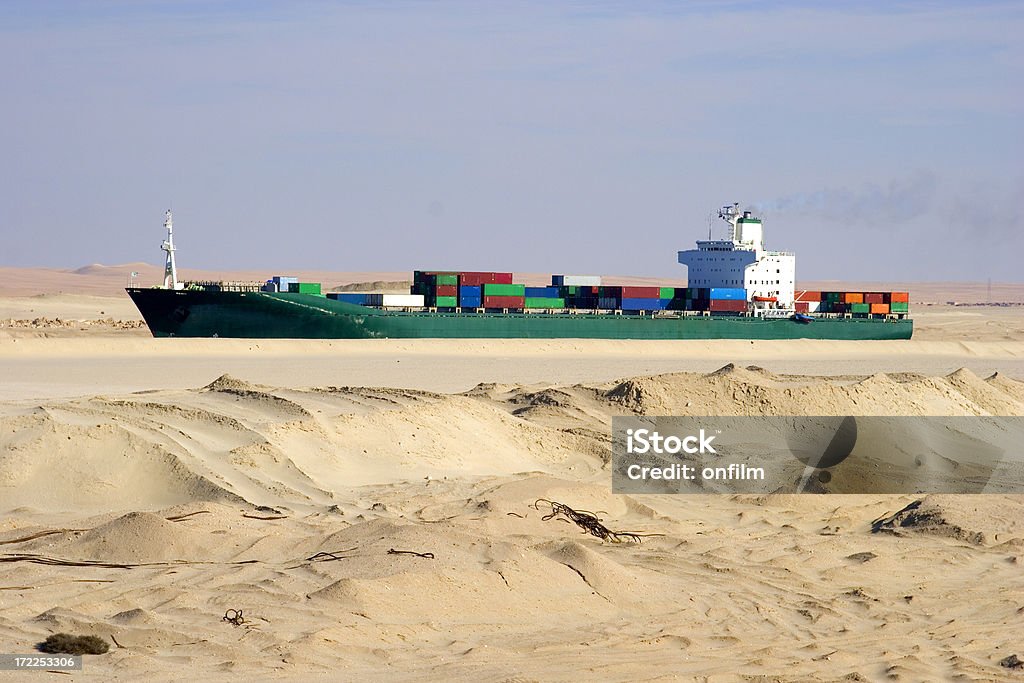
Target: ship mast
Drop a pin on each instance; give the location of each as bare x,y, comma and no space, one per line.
170,271
731,215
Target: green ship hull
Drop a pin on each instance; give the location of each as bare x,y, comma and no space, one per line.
202,313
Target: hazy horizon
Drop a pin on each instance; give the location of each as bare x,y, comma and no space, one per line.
879,142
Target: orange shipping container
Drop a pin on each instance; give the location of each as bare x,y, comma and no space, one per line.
807,295
853,298
902,297
879,308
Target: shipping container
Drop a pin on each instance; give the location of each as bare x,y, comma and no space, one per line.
641,293
874,298
544,302
504,301
677,304
474,278
727,305
814,306
899,297
446,302
607,291
471,291
808,295
609,303
802,306
583,302
728,293
304,287
697,304
899,307
580,280
542,292
860,308
853,298
490,289
879,308
666,292
643,303
470,301
406,300
446,290
430,276
698,293
359,298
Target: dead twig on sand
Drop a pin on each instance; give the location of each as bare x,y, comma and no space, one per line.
264,518
233,617
178,518
588,521
330,557
41,534
428,556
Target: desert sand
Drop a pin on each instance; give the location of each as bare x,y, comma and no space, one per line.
149,486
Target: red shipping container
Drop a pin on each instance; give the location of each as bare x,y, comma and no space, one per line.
808,295
473,278
873,297
730,305
899,297
641,292
802,306
446,290
504,301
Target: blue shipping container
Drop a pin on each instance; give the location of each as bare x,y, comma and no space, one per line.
470,291
729,293
634,304
349,297
469,301
546,292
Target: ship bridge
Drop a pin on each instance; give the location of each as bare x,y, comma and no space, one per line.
741,260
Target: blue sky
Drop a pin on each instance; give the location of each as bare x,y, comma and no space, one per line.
878,141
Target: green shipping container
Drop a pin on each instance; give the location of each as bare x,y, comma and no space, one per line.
304,287
668,293
491,289
446,279
860,308
446,301
544,302
899,307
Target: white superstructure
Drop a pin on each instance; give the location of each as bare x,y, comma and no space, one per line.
741,260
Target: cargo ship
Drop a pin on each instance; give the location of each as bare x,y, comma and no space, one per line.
738,290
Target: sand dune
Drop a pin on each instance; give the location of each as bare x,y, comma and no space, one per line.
389,533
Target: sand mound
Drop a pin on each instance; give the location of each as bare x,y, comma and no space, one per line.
228,383
732,390
140,537
978,520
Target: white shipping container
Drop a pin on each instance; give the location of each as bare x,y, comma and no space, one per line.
403,300
577,280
